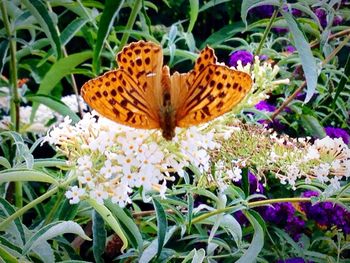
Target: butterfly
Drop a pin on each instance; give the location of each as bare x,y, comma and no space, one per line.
141,93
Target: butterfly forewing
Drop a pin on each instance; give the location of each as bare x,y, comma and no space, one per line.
214,91
117,96
143,61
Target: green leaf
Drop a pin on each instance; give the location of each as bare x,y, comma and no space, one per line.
194,7
128,222
251,254
190,203
162,224
55,105
110,219
53,230
39,11
110,11
212,3
18,230
4,162
308,61
249,4
23,175
67,34
152,249
3,52
344,79
6,256
99,234
312,126
223,34
61,68
199,256
72,29
245,182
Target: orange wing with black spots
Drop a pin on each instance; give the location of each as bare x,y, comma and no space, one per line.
142,94
117,96
215,91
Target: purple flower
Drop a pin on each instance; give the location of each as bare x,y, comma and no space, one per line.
337,20
263,11
265,106
263,57
293,260
326,214
295,12
283,215
243,55
290,49
334,132
322,16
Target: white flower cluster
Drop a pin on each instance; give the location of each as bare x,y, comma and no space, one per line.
327,160
43,117
111,160
264,80
224,175
332,157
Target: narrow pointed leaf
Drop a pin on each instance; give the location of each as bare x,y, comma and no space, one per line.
308,61
110,11
40,12
99,236
162,224
55,105
53,230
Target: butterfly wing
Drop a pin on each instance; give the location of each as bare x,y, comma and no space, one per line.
129,95
214,90
116,96
143,61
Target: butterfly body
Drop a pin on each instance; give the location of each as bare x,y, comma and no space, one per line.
141,93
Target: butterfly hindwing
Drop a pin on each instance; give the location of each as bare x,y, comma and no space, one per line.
215,91
116,96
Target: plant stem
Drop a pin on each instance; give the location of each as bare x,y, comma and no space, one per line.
262,203
134,11
15,102
36,201
266,32
303,85
53,210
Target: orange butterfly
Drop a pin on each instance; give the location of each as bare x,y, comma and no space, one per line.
141,93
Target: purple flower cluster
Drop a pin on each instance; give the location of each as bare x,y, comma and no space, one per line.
334,132
290,49
283,215
243,55
266,11
265,106
326,214
322,17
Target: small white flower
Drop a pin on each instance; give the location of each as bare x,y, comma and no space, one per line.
98,194
74,194
86,178
108,170
84,162
235,174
